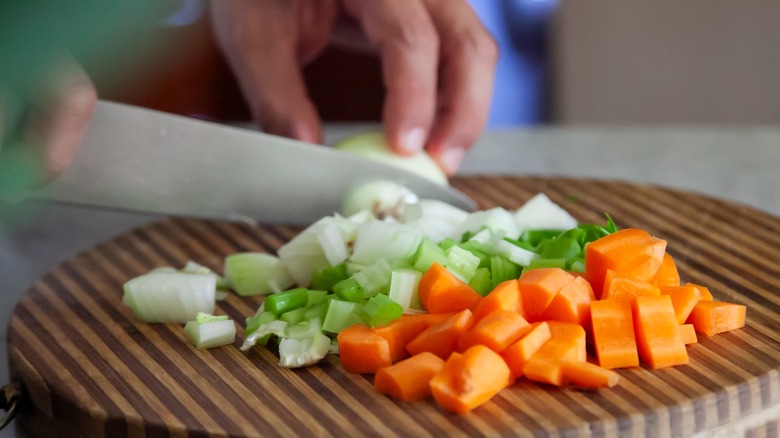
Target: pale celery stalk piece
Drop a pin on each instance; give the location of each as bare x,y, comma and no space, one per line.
210,333
404,285
541,213
276,327
375,278
462,263
170,297
514,253
296,353
256,273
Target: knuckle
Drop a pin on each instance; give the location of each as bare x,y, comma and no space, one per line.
477,44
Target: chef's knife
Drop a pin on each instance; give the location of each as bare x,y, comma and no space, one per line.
138,159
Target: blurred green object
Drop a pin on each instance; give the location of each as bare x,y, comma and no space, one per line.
109,39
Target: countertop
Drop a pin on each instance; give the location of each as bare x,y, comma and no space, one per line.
737,164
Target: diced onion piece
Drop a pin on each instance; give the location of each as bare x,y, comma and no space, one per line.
541,213
404,286
385,240
514,253
333,244
496,219
254,273
276,328
437,220
295,353
210,334
170,297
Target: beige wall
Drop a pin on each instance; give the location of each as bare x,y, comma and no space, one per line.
667,61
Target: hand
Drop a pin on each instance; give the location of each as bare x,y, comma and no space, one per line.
438,62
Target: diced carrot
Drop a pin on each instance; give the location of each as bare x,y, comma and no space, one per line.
399,333
706,295
571,303
588,375
616,286
517,354
470,379
442,339
363,351
713,317
683,300
544,370
567,342
613,333
657,334
667,274
410,379
538,288
505,296
688,334
442,292
630,252
496,331
430,318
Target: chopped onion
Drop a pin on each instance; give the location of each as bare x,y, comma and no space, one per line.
495,219
385,240
541,213
333,244
295,353
276,327
172,297
255,273
381,198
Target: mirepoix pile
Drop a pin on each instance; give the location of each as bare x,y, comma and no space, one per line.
438,302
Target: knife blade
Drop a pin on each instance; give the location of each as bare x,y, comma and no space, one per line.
138,159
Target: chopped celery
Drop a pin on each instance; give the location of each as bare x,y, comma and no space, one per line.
427,254
561,247
340,315
304,329
481,281
282,302
462,263
577,265
381,310
294,353
514,253
264,331
327,277
501,269
252,273
374,279
354,267
496,219
547,263
316,311
211,333
349,290
385,240
403,287
258,319
293,316
535,237
202,318
476,249
447,243
315,296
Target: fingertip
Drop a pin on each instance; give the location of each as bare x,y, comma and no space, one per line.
449,159
408,142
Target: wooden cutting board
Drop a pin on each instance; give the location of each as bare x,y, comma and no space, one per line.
89,368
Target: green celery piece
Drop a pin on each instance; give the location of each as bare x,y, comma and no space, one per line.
293,316
340,315
223,283
481,281
381,310
535,237
562,247
611,226
501,270
477,249
447,243
577,265
327,277
259,318
521,243
282,302
546,263
375,278
461,262
427,254
349,290
304,329
316,296
203,318
316,310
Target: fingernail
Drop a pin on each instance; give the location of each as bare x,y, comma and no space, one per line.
413,141
450,159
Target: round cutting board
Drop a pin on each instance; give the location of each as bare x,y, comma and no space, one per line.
90,368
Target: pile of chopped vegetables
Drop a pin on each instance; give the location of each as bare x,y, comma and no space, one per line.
438,302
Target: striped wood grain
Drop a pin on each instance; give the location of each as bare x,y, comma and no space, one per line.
91,369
